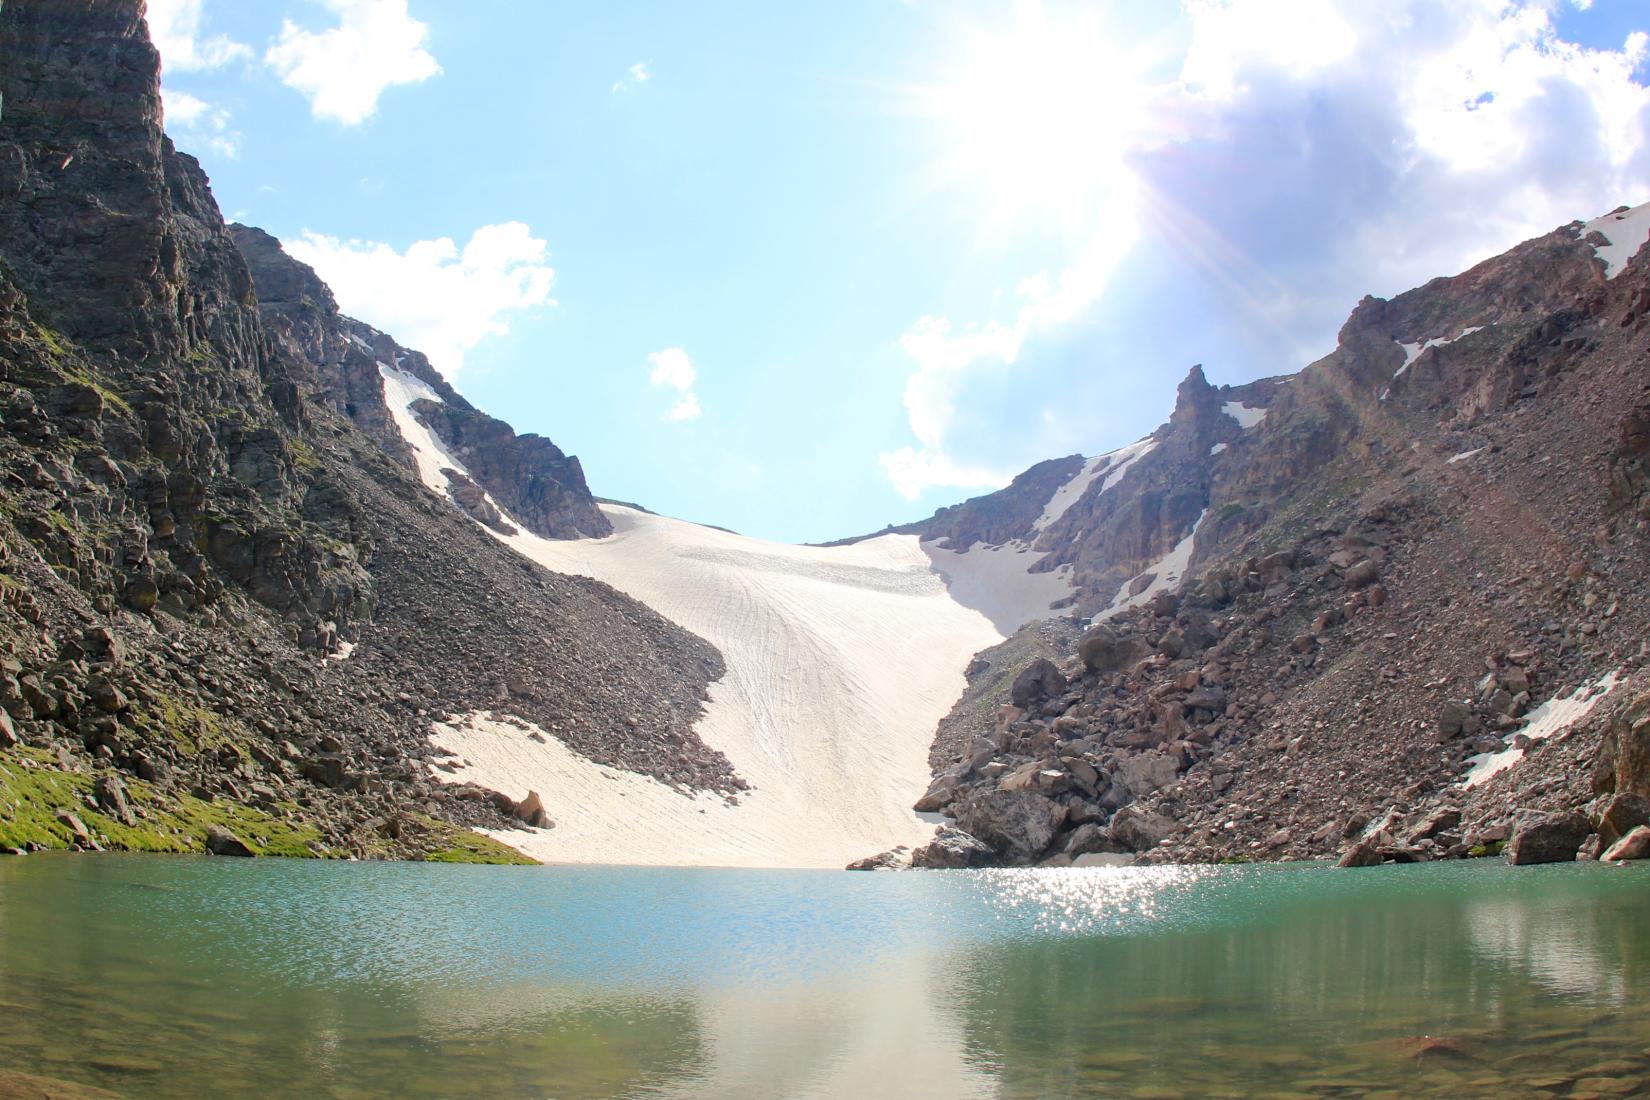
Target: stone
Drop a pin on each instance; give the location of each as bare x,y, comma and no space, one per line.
1621,815
1150,771
940,794
1365,853
1039,681
1454,718
8,731
1362,575
1088,838
1547,838
222,842
1102,649
1016,825
895,859
110,794
531,811
1137,830
1635,845
952,848
78,833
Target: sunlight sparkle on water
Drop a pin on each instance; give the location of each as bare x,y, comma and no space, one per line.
1090,900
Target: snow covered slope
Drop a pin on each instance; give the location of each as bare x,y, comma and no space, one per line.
841,661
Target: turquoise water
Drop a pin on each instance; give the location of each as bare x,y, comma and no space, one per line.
187,977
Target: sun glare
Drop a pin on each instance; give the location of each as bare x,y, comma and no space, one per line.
1040,113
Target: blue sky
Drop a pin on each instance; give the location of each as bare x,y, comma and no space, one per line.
802,270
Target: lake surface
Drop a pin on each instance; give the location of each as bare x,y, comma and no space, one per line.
192,977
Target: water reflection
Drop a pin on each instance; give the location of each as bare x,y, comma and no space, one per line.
180,977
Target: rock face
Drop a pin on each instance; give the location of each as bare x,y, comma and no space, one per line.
1635,845
1424,555
221,579
1017,826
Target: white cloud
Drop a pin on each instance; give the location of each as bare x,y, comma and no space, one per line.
434,297
194,123
175,29
672,369
343,70
944,356
1308,152
639,73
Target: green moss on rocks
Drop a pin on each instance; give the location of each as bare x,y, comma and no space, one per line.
454,845
33,792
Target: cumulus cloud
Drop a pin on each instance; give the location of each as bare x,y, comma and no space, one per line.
343,70
435,297
1307,153
637,74
194,123
175,29
673,370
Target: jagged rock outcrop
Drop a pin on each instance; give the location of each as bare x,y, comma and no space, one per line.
527,475
219,581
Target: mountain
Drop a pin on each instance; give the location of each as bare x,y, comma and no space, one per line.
268,583
1327,608
227,600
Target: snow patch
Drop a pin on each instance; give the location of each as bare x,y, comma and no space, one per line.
1122,459
430,455
1246,416
1069,493
1453,460
1626,232
1554,716
996,581
1216,449
1166,571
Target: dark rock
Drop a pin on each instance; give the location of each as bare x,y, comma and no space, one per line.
222,842
1039,681
1547,838
1365,853
110,794
895,859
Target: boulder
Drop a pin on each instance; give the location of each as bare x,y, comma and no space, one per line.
1038,681
1453,717
1635,845
1137,830
1150,771
110,794
1102,650
1547,838
78,833
895,859
1016,825
1365,853
1621,815
531,811
8,732
1088,838
941,793
222,842
952,848
1363,574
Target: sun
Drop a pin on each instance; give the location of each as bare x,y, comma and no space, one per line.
1039,112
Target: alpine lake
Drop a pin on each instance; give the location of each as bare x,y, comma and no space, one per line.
192,977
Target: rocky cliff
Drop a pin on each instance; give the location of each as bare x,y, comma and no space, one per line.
1406,593
227,605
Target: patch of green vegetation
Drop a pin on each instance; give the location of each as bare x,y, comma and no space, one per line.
450,844
33,792
54,343
87,378
1480,851
303,456
192,728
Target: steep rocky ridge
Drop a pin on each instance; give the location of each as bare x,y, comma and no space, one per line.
224,599
1425,559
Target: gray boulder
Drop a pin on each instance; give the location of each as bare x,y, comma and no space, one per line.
952,848
1137,830
222,842
1101,649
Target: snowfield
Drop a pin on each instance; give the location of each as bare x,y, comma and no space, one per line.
1626,232
840,663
